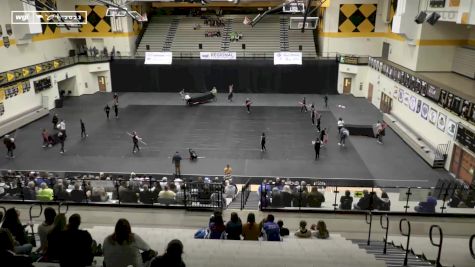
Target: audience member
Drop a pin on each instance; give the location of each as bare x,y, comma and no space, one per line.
128,195
234,227
172,256
45,227
123,248
303,232
299,198
385,202
99,194
276,198
251,230
76,245
45,193
12,223
346,201
216,226
147,196
286,195
427,206
54,238
77,195
271,230
29,192
166,193
8,257
322,231
364,202
61,194
315,198
283,231
229,190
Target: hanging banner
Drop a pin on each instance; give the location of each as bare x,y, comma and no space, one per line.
158,58
287,58
218,55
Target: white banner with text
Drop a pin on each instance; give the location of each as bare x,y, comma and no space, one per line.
287,58
218,55
158,58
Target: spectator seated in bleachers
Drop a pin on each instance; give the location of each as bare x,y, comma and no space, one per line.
315,198
29,192
99,194
76,245
427,206
364,202
321,230
251,230
8,257
286,194
128,195
385,203
300,195
229,190
271,230
12,223
213,34
276,198
216,226
123,248
283,231
303,232
77,195
234,227
44,228
346,201
235,36
61,194
45,193
53,247
147,196
172,256
166,193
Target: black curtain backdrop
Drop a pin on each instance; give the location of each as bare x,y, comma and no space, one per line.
247,75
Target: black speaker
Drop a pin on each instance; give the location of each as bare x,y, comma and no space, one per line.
300,48
200,46
421,17
147,47
433,18
243,46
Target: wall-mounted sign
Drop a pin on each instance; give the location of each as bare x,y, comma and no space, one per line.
287,58
465,137
158,58
218,55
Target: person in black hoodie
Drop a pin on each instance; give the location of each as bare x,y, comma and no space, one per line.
172,257
76,245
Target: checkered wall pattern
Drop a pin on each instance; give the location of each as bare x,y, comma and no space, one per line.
357,18
97,21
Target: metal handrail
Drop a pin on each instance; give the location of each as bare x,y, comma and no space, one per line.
439,245
370,222
408,234
34,216
470,246
408,194
336,192
60,204
385,239
245,193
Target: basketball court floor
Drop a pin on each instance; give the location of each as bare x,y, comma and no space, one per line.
223,133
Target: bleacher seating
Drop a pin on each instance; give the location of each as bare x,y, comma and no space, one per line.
262,40
22,119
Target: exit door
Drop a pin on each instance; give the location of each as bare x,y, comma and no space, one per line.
346,86
102,83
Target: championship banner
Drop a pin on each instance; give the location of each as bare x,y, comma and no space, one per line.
218,55
287,58
158,58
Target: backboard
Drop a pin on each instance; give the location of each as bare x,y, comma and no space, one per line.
296,23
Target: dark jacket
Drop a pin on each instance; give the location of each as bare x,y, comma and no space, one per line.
167,261
8,258
234,230
148,197
346,202
315,199
76,248
276,199
286,199
28,193
77,195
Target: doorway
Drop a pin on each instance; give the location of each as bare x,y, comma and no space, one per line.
386,103
370,92
462,164
101,80
385,53
346,86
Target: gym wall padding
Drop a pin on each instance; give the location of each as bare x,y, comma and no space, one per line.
247,75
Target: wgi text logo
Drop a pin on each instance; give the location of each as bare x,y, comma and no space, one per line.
49,17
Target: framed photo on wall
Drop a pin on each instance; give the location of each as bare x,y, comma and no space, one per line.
451,128
443,97
424,111
433,116
413,103
406,98
441,121
401,95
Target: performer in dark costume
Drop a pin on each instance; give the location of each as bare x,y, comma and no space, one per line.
116,110
263,142
193,155
107,109
316,146
55,120
312,113
9,143
230,94
135,140
248,105
304,105
83,129
325,98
